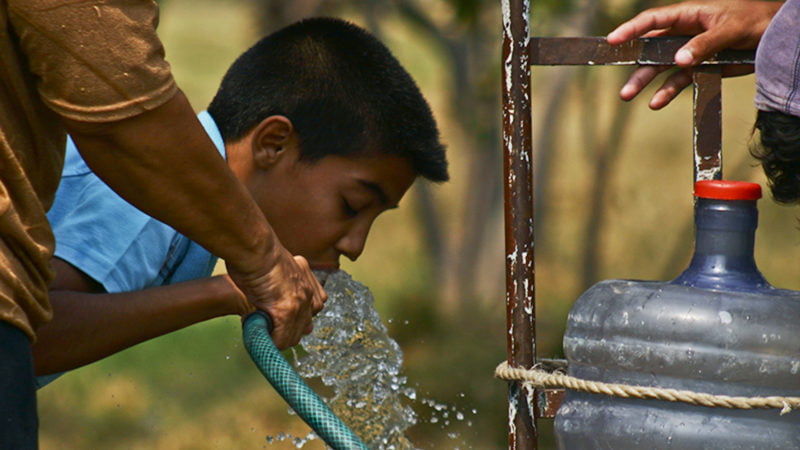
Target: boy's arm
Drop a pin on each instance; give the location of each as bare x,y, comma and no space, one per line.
90,325
163,162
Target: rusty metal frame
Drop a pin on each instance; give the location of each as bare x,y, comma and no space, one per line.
518,213
520,52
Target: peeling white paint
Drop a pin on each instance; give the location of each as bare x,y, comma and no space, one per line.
703,174
512,256
529,308
529,398
512,415
706,174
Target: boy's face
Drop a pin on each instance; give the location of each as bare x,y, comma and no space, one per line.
325,209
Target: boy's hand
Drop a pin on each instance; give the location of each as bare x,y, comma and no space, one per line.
715,25
288,291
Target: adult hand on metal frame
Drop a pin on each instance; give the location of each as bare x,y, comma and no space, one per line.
715,25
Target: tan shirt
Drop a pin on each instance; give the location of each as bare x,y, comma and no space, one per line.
93,61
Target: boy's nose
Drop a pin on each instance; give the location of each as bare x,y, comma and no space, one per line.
351,244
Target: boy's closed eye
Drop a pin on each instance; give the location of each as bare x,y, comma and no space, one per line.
347,207
361,198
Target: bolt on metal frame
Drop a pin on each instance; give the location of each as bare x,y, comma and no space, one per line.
520,52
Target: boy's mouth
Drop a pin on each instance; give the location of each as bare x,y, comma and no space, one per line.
323,271
328,267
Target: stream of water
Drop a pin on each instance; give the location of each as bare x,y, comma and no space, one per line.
351,351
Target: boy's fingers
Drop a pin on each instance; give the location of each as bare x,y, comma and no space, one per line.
630,30
652,22
640,78
704,46
670,89
672,86
735,25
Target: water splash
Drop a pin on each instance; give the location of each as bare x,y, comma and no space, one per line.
350,351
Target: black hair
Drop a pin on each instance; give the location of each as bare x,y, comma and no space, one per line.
343,90
779,153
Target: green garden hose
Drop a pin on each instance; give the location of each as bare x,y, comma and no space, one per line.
303,400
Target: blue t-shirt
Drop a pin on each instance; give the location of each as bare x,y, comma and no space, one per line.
114,243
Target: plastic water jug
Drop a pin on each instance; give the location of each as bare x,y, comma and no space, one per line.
719,328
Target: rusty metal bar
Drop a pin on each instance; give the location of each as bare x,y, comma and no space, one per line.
518,214
547,402
707,128
582,51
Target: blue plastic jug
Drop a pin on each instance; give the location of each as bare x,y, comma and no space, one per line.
718,328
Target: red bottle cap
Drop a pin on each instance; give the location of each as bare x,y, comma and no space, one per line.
727,190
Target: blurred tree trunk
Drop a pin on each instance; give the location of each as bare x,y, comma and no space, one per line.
606,154
558,80
605,145
467,41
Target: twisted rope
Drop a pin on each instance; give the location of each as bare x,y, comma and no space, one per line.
538,378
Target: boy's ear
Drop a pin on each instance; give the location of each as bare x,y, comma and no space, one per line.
270,140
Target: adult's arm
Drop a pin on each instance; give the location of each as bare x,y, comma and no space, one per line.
89,324
715,25
100,65
163,162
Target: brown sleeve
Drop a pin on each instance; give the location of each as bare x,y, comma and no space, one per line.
96,60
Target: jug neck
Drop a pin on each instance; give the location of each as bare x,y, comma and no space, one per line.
724,242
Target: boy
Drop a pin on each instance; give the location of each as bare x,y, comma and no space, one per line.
322,125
